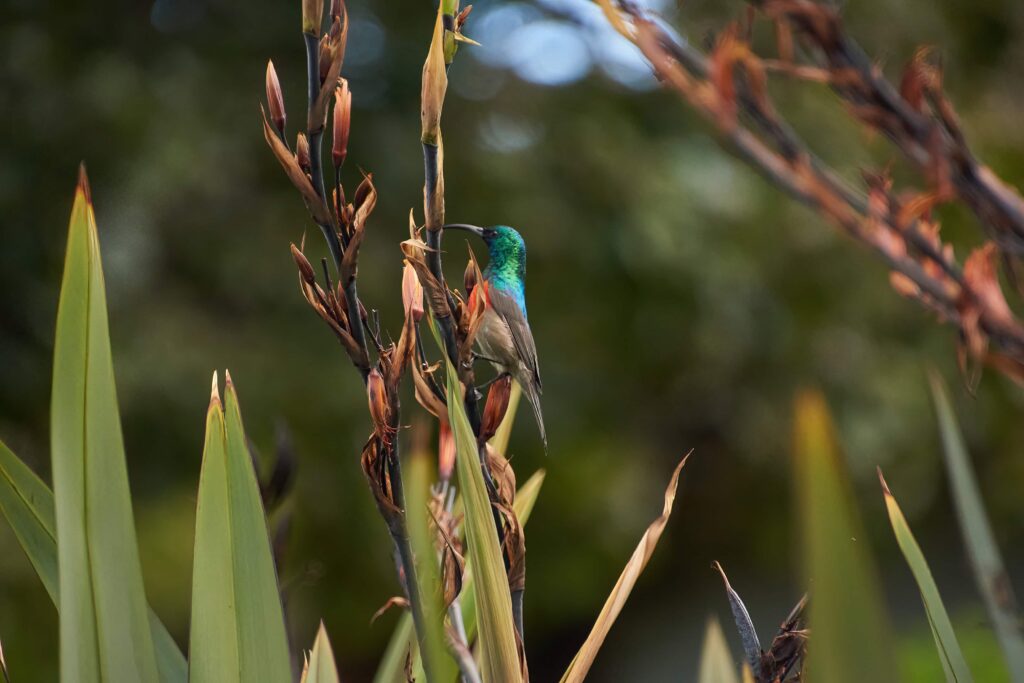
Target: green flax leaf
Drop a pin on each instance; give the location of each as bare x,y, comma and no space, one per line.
986,560
238,631
716,663
320,667
847,614
27,504
942,629
499,653
104,626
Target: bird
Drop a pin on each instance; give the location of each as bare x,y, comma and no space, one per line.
504,335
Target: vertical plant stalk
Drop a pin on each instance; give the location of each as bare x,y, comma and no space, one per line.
435,83
388,489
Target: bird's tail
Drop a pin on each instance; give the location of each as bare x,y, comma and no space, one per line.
533,396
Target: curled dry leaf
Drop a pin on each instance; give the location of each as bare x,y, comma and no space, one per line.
412,293
583,660
364,202
428,394
415,253
394,601
374,464
298,177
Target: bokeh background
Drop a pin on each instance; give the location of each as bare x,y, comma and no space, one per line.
677,300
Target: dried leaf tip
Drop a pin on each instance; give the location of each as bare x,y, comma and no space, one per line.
885,486
341,123
275,98
215,390
312,16
229,386
83,184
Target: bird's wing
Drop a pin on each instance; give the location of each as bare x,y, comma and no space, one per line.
508,310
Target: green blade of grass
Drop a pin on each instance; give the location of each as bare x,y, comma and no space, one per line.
499,653
237,631
104,625
942,629
320,667
27,504
417,483
584,659
986,560
716,663
852,642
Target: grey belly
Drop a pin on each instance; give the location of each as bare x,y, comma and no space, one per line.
496,343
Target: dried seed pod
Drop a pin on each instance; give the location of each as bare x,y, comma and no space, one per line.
305,267
275,99
377,395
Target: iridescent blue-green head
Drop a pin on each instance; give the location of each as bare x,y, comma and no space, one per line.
507,251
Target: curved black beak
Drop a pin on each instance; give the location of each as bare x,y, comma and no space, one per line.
479,232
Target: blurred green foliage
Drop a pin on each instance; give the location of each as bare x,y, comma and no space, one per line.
677,301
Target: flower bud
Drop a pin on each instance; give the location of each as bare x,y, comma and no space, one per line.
275,99
304,266
469,278
377,397
496,406
337,9
445,452
302,153
342,121
325,58
412,293
312,16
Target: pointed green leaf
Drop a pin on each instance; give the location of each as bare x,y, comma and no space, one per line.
986,560
942,629
320,667
27,504
847,614
104,626
716,663
238,631
499,654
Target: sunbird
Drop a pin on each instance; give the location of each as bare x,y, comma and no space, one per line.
504,334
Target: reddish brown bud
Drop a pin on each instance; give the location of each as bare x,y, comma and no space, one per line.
325,57
304,266
469,278
337,9
497,405
460,19
412,293
342,121
275,99
445,452
302,153
377,396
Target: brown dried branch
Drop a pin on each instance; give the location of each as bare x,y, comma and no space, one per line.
727,86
